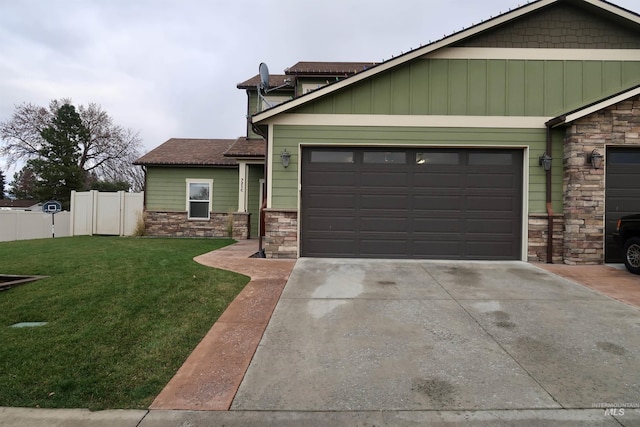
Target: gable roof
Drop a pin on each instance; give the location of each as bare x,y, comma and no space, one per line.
247,147
275,80
581,112
311,68
11,203
447,41
189,152
308,68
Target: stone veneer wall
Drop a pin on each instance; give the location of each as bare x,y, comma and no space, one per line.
281,233
537,239
584,186
176,224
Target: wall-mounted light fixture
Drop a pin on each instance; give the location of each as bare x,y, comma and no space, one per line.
596,159
545,161
285,158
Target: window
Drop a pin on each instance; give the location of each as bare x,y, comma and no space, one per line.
438,158
199,198
622,157
332,157
381,157
272,100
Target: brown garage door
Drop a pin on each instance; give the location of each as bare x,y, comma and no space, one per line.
411,203
622,192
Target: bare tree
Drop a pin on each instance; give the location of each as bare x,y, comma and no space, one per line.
2,184
108,153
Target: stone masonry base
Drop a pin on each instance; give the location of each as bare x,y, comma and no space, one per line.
281,233
175,224
538,235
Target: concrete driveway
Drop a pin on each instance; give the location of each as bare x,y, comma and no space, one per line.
372,335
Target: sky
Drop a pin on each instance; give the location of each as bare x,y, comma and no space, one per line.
169,68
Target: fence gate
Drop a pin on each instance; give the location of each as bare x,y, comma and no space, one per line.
94,212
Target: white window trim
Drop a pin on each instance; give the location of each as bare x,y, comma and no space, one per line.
209,182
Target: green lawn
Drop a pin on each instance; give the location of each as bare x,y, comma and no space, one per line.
123,313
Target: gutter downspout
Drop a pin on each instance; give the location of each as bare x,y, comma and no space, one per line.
549,204
550,124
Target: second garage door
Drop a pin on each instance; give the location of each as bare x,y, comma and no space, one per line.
622,193
411,203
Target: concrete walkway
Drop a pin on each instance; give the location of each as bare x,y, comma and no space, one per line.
612,280
209,378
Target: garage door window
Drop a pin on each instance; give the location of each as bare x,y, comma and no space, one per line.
437,158
199,198
624,157
381,157
332,157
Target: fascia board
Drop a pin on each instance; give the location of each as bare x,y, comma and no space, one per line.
616,10
600,105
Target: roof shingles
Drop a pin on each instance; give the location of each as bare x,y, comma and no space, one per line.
189,152
247,147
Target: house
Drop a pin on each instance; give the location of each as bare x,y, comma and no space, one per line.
20,205
213,187
515,139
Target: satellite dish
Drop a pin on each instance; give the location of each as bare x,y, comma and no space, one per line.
264,76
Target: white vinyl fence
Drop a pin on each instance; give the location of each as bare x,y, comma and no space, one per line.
115,214
92,212
26,225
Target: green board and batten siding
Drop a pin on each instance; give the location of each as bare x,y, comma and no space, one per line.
166,188
482,87
285,181
461,87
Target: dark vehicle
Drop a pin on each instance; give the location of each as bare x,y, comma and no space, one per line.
627,236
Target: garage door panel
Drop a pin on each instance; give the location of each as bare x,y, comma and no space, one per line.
491,226
620,182
336,246
487,249
494,204
331,201
623,205
333,179
438,225
379,201
384,247
438,180
445,249
410,210
438,203
327,223
493,181
382,224
384,179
